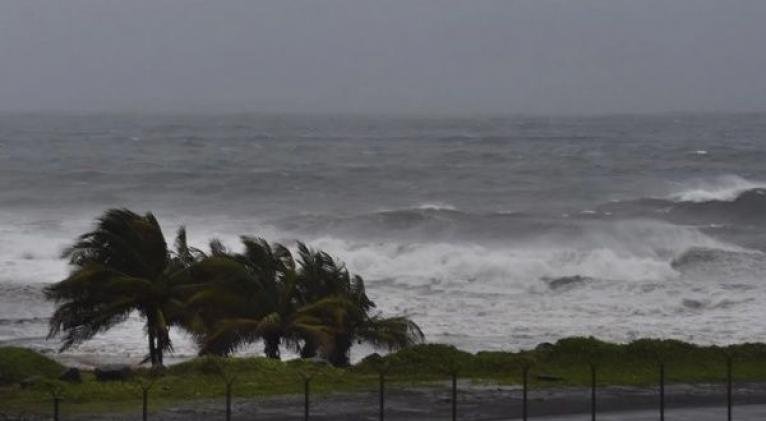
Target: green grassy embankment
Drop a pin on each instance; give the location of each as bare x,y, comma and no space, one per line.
202,378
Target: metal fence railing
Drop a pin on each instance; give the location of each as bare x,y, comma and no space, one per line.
56,401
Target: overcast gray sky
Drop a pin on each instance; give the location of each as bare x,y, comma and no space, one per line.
424,56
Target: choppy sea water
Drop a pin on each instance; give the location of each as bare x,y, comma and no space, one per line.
492,233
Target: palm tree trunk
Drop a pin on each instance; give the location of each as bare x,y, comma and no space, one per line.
271,346
161,342
152,347
339,356
309,348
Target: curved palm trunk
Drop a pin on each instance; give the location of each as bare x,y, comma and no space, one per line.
162,343
271,346
152,347
156,342
339,356
309,348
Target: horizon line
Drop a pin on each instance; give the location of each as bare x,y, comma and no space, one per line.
372,114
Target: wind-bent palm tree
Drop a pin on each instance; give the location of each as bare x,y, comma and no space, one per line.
312,307
252,296
123,266
324,278
392,333
320,277
224,299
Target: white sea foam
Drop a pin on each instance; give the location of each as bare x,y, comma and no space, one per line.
629,251
436,206
723,188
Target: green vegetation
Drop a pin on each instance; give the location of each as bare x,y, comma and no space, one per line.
18,364
568,360
224,299
564,363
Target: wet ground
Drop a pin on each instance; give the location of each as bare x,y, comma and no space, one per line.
478,402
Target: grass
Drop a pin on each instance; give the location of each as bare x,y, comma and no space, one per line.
18,364
204,378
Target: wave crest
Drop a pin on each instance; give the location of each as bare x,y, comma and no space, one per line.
725,189
748,207
627,252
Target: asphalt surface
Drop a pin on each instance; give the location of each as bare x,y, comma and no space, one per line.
475,403
744,413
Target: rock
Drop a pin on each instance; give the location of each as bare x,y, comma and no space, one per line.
113,373
565,281
71,375
373,358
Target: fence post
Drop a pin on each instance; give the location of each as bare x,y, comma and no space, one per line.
729,385
524,396
228,378
593,392
382,395
145,407
228,401
307,374
306,382
144,386
454,396
56,390
56,408
662,391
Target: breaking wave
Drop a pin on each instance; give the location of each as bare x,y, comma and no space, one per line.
626,251
724,188
731,265
748,207
436,206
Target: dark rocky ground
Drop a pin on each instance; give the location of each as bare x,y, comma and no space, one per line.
475,402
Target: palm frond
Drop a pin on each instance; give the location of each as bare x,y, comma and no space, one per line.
230,335
392,333
217,248
184,253
81,320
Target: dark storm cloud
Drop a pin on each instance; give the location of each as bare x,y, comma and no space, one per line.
431,56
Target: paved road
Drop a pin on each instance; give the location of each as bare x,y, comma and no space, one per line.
742,413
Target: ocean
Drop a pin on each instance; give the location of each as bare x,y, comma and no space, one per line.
490,232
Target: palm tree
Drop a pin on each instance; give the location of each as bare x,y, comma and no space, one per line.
123,266
251,296
224,299
392,333
324,278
